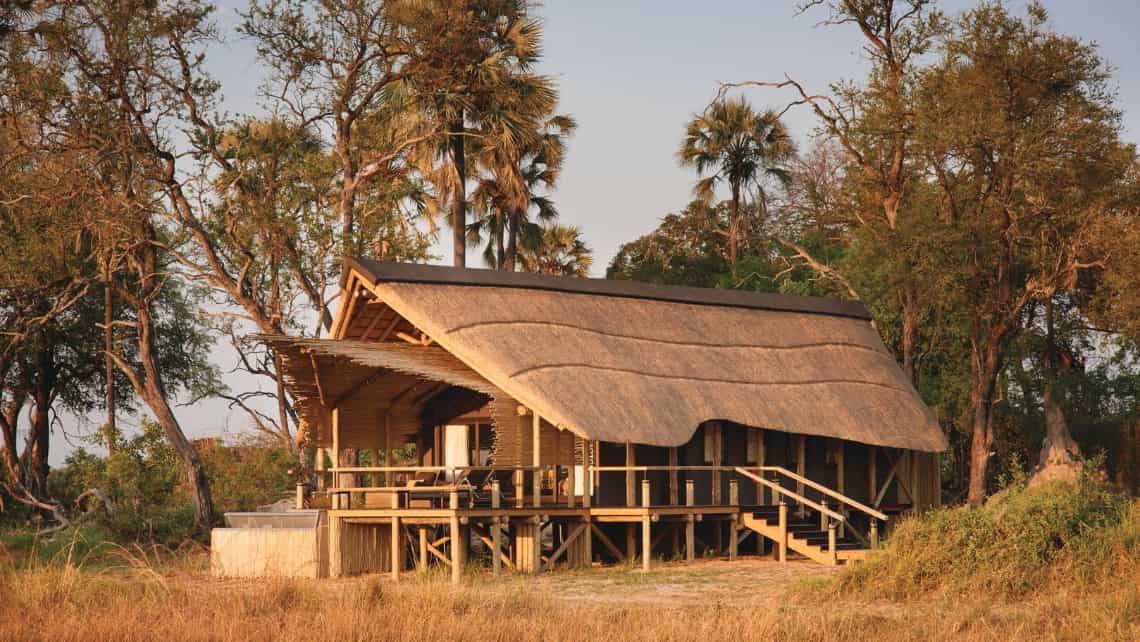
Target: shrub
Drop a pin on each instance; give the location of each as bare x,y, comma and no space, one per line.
1017,542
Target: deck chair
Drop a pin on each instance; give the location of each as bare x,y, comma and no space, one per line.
479,482
423,478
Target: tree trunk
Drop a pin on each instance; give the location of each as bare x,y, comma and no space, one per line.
985,359
733,227
501,251
108,363
1060,457
910,326
512,242
153,392
459,203
40,437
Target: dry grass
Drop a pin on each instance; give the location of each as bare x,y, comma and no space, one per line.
755,600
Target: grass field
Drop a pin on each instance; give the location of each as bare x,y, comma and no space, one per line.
1063,564
138,599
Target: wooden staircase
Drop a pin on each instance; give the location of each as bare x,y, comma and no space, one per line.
821,532
803,536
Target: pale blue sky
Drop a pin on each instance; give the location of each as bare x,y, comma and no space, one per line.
631,73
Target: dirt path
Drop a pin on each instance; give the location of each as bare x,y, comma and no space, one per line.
713,582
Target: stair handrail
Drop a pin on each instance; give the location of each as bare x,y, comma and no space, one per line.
827,491
839,517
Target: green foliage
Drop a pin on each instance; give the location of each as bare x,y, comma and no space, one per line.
144,480
1019,541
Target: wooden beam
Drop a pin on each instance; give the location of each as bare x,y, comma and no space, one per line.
372,326
557,554
317,379
607,542
364,381
536,429
489,541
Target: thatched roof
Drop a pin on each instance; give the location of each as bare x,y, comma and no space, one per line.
619,361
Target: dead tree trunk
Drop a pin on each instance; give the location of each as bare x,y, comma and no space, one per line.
1060,457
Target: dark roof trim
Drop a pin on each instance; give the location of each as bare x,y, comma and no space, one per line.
381,271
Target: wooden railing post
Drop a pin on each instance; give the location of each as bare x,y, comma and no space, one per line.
823,515
396,543
734,499
690,526
646,536
537,486
496,531
456,540
782,529
832,548
874,533
300,495
587,486
570,479
520,492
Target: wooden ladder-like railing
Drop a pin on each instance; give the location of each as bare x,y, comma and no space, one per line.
833,522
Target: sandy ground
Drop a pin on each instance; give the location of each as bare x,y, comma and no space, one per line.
753,582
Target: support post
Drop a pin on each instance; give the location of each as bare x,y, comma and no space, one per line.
336,566
520,491
569,483
832,548
646,537
801,467
630,542
395,548
823,519
388,477
873,472
630,458
496,531
588,545
300,495
734,499
690,526
456,539
674,491
782,531
874,534
841,481
423,549
536,432
335,458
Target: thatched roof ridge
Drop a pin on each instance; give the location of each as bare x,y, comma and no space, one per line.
387,271
628,362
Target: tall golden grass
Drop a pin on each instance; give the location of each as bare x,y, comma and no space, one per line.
1089,590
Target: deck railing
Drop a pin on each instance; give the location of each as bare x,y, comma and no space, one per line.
578,485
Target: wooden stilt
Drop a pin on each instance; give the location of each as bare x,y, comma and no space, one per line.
496,531
801,463
646,537
588,544
423,548
456,540
630,542
536,430
690,526
832,550
782,529
396,543
733,499
336,567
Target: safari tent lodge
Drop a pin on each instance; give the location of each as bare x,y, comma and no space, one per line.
535,421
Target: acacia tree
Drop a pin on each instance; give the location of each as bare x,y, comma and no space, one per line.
873,122
1025,144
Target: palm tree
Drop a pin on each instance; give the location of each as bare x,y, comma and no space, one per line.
482,92
514,186
559,250
739,147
